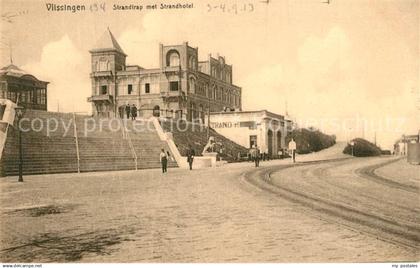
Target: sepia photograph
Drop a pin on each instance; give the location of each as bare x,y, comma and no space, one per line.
210,132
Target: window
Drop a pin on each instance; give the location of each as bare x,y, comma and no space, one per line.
213,71
173,85
104,90
22,96
104,65
129,89
38,96
192,64
172,58
252,141
43,99
192,85
147,88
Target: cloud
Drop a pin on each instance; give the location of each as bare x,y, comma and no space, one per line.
67,70
326,86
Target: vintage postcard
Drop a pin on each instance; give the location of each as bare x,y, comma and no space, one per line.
209,131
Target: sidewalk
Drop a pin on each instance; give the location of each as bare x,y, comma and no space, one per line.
333,152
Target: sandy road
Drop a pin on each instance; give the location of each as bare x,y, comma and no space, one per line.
226,214
350,193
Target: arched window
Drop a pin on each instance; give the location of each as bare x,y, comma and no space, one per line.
201,113
192,63
191,83
104,65
172,58
156,111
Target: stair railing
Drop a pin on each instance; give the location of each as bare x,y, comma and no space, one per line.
77,142
130,143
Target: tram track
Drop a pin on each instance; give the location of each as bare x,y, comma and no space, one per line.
391,229
368,172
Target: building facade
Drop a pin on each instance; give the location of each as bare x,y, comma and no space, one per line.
400,146
182,86
23,88
264,129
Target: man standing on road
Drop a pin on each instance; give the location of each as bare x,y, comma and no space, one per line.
190,156
292,148
133,112
163,161
255,155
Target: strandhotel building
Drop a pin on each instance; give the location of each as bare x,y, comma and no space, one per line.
182,86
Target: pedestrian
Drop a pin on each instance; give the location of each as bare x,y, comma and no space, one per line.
164,161
121,112
258,157
190,156
133,112
127,111
255,155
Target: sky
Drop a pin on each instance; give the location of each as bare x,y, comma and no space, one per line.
349,68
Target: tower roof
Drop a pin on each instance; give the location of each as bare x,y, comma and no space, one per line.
107,42
12,70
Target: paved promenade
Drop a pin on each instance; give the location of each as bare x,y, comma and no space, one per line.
209,215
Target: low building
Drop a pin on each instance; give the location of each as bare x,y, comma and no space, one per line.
262,128
400,146
17,84
409,145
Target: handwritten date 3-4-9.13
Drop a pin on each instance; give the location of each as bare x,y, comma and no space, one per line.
231,8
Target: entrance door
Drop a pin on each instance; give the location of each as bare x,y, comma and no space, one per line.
270,142
278,141
252,141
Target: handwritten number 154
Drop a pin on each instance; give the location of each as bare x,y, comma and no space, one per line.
97,7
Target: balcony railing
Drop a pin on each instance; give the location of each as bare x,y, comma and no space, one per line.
105,97
101,74
172,69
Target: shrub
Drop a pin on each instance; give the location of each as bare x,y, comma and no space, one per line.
310,140
362,148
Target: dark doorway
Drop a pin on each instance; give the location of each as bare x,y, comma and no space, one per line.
156,111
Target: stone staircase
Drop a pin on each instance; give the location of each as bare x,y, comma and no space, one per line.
101,144
146,142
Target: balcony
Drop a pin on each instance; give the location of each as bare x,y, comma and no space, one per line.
103,98
101,74
172,69
171,96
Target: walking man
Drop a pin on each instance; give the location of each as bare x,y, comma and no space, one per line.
255,156
127,111
292,148
163,161
133,112
190,156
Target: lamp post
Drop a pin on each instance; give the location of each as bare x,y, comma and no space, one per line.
19,114
208,115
